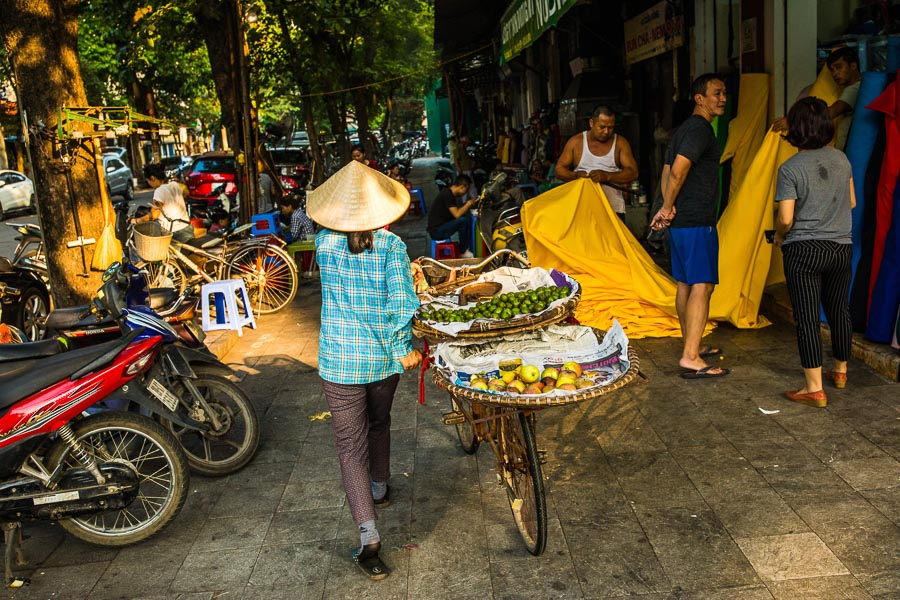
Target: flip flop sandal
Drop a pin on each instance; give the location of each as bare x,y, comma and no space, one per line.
706,373
707,351
368,561
385,500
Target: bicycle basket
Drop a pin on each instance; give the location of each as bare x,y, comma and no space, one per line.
150,241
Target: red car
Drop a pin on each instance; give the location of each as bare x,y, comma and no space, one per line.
207,172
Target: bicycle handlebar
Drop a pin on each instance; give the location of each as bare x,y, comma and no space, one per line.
477,267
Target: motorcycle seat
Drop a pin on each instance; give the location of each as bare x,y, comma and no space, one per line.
38,349
69,318
22,378
162,297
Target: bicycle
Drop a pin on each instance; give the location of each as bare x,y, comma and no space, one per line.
269,272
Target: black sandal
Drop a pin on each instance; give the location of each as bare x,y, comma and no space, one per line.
367,559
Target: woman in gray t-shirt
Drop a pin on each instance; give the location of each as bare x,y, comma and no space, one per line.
812,226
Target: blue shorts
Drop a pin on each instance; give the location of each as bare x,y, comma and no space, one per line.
695,254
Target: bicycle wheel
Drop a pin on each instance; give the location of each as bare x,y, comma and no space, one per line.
524,480
154,457
269,274
166,274
465,431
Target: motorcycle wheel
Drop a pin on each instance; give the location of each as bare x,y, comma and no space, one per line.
34,307
148,449
164,274
210,452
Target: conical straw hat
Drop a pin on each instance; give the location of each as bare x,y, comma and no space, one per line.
357,198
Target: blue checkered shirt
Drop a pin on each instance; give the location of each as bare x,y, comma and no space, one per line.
368,300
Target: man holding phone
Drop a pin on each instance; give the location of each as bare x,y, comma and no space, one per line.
690,191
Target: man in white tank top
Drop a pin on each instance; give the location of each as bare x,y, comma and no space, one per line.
602,155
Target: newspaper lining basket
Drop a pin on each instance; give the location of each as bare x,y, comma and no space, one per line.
150,241
536,401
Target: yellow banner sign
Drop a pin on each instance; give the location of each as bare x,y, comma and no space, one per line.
654,31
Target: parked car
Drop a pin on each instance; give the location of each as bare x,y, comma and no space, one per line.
117,151
16,192
118,177
176,166
292,165
207,173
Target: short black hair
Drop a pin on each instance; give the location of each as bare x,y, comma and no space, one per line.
463,180
809,124
603,109
845,52
358,147
700,84
155,170
291,199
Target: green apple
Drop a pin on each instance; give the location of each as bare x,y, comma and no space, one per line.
529,373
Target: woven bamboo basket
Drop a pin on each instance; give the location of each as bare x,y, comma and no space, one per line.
537,401
489,328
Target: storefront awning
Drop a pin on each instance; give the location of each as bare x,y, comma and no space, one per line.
527,20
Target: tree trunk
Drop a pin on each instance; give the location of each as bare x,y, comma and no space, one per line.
212,20
41,38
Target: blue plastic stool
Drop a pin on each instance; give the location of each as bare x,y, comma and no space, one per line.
444,249
265,224
418,192
533,187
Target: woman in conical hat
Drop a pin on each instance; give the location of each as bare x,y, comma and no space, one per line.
365,340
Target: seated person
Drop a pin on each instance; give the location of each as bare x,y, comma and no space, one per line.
447,216
394,173
168,207
220,220
358,153
300,223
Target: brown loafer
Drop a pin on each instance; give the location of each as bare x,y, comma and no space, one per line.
816,399
838,379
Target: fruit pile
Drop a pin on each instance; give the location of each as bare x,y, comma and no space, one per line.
517,378
503,306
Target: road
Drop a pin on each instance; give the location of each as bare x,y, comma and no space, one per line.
8,234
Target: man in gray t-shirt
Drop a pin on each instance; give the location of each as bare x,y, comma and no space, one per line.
817,180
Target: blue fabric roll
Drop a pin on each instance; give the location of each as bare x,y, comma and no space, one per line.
886,295
859,147
893,53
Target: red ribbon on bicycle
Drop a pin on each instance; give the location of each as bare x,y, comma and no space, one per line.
427,359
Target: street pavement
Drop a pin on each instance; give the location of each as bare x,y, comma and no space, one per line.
666,489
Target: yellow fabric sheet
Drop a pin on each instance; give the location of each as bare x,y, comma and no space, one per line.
747,130
572,228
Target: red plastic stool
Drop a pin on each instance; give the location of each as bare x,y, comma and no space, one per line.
444,249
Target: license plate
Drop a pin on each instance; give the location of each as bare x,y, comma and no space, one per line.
162,393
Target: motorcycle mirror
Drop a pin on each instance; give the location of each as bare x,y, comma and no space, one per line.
110,271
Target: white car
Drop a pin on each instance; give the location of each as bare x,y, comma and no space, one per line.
16,192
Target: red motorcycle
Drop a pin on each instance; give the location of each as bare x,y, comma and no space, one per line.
109,478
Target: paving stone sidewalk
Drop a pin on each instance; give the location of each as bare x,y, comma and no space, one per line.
667,489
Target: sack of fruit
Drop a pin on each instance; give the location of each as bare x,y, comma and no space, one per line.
558,360
522,294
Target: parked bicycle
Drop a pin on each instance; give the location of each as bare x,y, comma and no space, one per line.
269,273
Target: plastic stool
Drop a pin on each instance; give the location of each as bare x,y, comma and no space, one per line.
228,316
418,192
265,224
444,249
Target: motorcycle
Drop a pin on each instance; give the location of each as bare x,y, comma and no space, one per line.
500,223
223,434
109,478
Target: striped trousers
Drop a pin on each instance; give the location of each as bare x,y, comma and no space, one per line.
818,271
361,421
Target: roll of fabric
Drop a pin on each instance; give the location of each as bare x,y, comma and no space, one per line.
886,293
747,130
859,148
889,104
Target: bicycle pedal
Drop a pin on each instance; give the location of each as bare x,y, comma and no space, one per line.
453,418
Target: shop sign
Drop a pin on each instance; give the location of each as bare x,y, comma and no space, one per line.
527,20
654,31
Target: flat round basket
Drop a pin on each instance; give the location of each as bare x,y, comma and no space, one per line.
490,328
526,401
151,242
